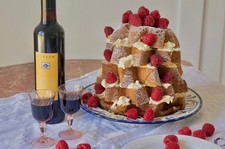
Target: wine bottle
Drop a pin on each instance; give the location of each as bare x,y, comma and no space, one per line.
49,55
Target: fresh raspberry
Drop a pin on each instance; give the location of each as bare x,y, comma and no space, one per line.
157,94
199,134
185,131
108,30
62,145
149,115
156,60
85,97
99,88
149,21
108,54
209,129
162,23
132,113
135,20
155,14
172,145
111,78
167,77
93,102
143,12
84,146
170,138
125,16
149,39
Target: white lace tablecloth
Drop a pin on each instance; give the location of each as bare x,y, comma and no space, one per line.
18,127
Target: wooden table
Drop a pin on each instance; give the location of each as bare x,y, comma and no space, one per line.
20,78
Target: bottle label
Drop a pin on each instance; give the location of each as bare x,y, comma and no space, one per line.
47,71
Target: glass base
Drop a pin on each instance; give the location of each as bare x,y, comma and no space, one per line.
70,134
44,142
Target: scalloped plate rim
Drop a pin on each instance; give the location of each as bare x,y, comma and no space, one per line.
144,122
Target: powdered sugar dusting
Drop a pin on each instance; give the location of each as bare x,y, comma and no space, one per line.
160,34
141,57
135,33
118,53
120,33
127,78
142,96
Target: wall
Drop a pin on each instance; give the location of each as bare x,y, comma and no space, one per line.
199,26
212,61
83,22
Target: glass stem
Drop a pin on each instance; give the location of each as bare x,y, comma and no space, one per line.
70,121
43,128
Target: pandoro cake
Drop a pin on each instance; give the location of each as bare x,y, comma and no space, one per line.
141,73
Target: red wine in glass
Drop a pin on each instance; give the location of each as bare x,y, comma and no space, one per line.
70,103
70,106
42,110
42,113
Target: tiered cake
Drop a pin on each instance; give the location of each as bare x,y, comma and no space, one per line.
142,68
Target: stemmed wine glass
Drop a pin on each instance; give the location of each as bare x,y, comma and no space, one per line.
42,111
70,95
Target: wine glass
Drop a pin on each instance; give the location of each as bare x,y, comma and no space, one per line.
42,110
69,96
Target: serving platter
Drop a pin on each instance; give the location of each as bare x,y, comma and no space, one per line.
193,104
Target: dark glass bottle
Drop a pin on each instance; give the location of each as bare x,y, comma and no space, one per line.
49,57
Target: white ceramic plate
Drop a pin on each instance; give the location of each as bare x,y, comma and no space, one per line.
156,142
